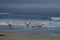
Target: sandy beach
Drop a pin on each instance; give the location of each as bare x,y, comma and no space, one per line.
20,36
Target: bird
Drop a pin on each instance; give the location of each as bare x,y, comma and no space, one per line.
9,25
39,25
28,24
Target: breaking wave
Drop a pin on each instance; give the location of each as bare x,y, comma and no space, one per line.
4,13
55,18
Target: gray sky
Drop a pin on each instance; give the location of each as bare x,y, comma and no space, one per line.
31,5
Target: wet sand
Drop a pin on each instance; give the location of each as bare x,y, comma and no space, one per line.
20,36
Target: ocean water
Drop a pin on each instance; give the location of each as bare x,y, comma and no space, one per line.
18,20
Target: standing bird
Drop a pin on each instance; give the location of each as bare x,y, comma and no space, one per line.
40,25
9,25
28,24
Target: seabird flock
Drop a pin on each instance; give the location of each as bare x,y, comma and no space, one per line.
29,24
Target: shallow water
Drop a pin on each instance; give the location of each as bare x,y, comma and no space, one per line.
26,29
32,30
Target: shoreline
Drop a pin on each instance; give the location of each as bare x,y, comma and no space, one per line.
20,36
